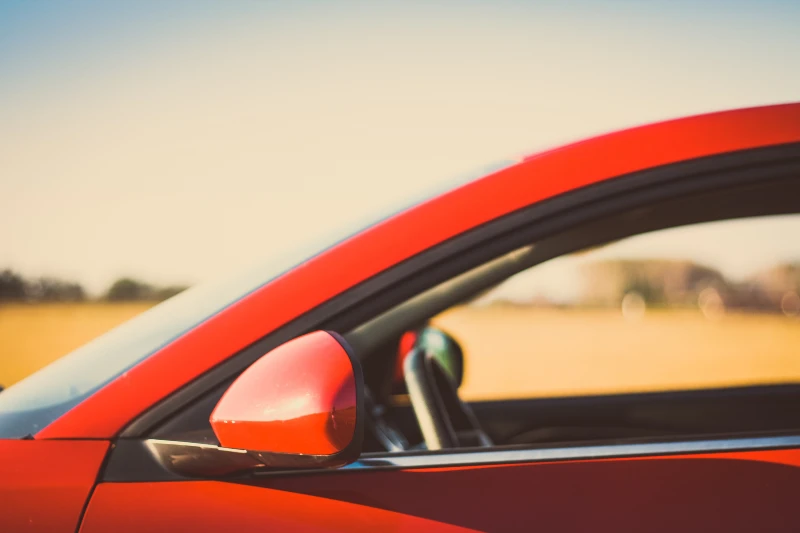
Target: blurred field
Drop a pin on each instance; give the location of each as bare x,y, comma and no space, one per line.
510,351
32,336
517,352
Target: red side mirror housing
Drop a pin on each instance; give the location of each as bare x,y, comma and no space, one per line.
300,405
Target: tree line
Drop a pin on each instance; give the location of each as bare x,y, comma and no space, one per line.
684,283
14,287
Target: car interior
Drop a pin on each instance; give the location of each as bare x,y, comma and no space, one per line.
413,371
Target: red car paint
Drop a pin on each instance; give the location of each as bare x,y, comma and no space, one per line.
537,178
222,507
44,484
311,408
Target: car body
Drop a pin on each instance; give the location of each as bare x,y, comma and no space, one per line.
78,462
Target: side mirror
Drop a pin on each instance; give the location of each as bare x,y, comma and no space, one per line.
300,405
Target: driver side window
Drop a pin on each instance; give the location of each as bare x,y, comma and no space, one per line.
704,306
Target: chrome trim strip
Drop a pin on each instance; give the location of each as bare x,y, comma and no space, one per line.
153,444
488,457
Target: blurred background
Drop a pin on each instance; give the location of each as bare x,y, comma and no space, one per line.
149,146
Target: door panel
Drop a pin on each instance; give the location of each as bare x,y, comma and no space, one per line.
213,506
755,491
44,484
734,491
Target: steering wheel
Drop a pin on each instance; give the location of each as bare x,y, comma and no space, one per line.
444,419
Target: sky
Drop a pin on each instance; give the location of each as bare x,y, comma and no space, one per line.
178,141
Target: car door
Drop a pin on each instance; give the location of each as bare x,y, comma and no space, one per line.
733,483
741,491
714,447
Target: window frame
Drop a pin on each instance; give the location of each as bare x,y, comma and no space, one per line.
345,312
534,223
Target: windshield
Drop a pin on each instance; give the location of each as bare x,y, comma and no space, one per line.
31,404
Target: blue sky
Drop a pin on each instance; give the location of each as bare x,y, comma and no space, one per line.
180,140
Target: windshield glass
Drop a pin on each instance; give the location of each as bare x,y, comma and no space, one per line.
31,404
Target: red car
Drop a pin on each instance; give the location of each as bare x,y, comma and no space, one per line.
272,402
